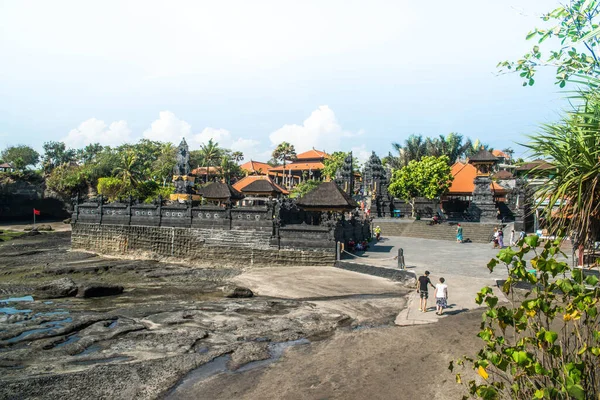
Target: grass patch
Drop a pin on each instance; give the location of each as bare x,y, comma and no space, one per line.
9,235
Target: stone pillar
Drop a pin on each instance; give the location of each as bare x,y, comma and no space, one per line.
483,206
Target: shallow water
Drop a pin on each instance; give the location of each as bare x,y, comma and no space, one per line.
12,310
17,299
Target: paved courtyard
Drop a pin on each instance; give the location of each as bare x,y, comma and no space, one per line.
462,265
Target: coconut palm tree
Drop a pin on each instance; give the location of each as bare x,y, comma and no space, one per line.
284,152
210,154
414,148
237,156
126,169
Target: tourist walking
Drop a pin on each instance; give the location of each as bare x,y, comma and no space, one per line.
441,296
459,237
422,289
512,241
500,238
377,231
495,240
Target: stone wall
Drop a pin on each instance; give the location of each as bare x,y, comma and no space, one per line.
208,246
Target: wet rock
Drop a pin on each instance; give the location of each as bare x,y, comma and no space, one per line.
67,221
248,352
64,287
237,292
33,232
98,290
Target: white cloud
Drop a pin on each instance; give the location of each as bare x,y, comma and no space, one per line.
219,135
168,128
95,131
361,153
320,130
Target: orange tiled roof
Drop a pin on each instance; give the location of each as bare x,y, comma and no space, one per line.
256,167
300,166
242,183
500,153
202,171
312,154
464,175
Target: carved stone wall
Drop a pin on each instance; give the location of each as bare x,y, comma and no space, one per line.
212,247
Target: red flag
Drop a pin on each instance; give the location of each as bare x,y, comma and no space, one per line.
36,212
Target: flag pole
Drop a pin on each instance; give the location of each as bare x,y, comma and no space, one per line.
34,217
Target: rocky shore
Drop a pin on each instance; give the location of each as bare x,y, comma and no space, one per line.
77,325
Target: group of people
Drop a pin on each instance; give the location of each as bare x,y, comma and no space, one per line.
440,293
498,240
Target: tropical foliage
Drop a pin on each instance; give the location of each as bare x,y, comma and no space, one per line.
303,188
575,27
20,157
543,343
430,178
572,193
454,146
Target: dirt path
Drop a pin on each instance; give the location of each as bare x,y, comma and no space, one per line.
381,363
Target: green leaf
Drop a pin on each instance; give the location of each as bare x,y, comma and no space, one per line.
521,358
591,280
532,240
531,81
576,391
550,336
491,301
531,34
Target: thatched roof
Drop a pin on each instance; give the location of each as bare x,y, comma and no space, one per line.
261,186
483,155
503,175
220,191
327,196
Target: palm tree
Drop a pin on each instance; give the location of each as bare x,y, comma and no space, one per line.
414,148
283,152
572,146
237,156
210,154
126,169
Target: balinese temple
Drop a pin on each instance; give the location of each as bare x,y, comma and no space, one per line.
327,197
220,193
307,166
463,184
259,186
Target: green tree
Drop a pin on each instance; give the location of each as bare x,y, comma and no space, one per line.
237,156
303,188
572,191
21,156
430,178
574,29
55,154
112,188
451,145
211,155
545,342
414,148
126,171
333,163
162,166
284,152
88,153
476,146
67,179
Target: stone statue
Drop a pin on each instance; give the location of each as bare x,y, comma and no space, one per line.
182,167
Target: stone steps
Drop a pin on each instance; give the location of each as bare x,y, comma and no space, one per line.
476,232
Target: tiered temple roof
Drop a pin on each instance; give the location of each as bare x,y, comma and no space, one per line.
464,177
219,191
259,185
327,197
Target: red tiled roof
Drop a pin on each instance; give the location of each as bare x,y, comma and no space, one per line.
5,165
300,166
256,167
244,182
464,175
500,153
312,154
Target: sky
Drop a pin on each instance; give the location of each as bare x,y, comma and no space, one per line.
334,75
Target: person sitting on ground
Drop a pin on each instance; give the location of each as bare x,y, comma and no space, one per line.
351,244
422,289
441,296
377,231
